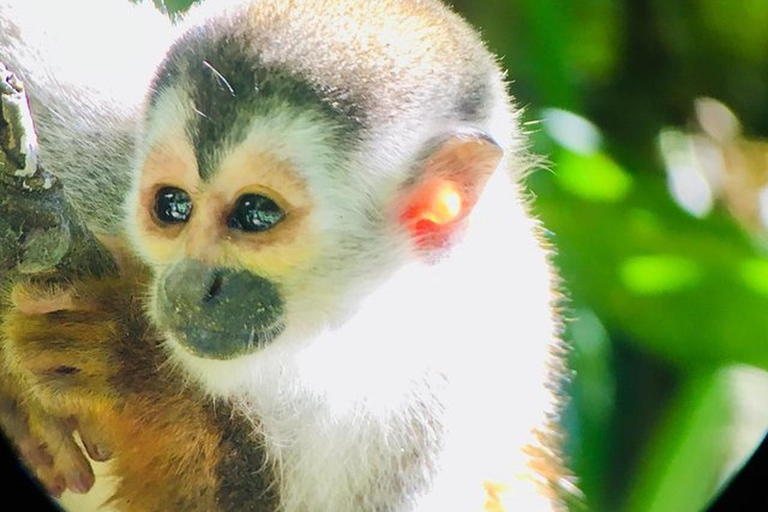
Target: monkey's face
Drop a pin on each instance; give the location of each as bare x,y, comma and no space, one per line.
265,236
231,248
223,247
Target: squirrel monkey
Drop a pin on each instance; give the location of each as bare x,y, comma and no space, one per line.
332,295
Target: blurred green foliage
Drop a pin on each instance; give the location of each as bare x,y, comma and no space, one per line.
660,302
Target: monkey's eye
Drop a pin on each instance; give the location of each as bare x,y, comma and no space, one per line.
255,213
172,205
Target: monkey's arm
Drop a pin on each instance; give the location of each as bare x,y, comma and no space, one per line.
39,236
86,351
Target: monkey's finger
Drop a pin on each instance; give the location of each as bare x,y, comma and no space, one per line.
14,422
75,467
35,297
33,452
51,480
39,462
69,460
96,444
39,299
63,350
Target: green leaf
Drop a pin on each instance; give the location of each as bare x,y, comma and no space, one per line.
682,467
659,274
594,177
754,272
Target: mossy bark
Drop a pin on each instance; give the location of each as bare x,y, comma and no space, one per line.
40,233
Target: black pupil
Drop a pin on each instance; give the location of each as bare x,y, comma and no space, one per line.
173,205
254,212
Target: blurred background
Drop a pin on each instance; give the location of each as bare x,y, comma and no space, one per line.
650,114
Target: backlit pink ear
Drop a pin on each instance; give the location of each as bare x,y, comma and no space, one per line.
434,207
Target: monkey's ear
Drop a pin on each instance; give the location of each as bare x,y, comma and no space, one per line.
434,206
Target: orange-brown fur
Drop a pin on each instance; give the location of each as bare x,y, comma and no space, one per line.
163,434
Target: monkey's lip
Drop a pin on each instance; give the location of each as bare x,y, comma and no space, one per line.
223,345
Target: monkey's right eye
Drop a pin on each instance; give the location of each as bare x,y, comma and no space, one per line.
172,205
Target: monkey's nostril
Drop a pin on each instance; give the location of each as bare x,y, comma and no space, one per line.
215,287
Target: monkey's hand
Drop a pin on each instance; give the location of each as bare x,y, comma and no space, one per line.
58,341
63,346
46,443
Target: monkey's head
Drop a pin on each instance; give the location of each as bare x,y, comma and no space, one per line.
291,160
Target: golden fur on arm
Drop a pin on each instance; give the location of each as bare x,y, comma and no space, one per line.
85,351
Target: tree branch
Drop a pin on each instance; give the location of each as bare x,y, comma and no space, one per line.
40,232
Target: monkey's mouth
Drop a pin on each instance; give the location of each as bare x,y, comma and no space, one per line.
215,312
225,344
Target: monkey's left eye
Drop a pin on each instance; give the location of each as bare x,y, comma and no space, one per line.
255,213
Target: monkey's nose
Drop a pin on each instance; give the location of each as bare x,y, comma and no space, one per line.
192,282
214,289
